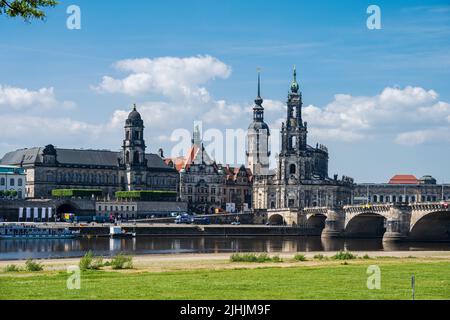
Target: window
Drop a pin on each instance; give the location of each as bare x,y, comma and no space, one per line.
12,182
2,181
292,169
20,182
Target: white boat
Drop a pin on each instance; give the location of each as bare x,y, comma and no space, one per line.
118,232
24,231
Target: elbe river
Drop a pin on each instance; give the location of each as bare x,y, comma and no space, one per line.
50,249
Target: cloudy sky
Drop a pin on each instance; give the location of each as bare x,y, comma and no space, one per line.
379,99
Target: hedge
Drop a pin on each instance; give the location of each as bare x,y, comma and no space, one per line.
81,193
147,195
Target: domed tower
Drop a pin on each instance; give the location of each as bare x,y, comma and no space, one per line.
258,138
134,151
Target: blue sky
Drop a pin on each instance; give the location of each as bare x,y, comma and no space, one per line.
54,90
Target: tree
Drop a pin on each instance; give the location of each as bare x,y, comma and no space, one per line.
13,193
27,9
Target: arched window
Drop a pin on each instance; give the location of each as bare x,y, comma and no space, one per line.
136,157
127,157
2,181
375,199
292,169
20,182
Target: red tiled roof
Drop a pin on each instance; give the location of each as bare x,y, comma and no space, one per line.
404,179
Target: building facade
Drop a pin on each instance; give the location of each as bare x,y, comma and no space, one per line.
12,182
209,187
402,189
301,178
132,168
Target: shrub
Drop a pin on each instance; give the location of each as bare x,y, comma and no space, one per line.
300,257
122,262
147,195
86,261
319,257
276,259
344,255
32,266
250,257
78,193
12,268
366,257
89,262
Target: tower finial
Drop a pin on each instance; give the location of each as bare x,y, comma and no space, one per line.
134,107
259,101
259,82
294,86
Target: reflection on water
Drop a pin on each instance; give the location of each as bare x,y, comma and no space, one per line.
46,249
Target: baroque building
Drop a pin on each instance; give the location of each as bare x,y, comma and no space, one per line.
301,177
132,168
209,187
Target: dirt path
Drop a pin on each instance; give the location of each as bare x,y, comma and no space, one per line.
219,261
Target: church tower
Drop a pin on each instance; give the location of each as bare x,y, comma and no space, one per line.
294,132
258,138
134,152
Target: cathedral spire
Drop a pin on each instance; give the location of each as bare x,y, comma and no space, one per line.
294,86
258,110
259,101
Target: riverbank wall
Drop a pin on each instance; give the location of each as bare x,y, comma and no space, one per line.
193,230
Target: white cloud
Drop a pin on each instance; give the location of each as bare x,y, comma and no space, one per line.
395,111
19,98
172,77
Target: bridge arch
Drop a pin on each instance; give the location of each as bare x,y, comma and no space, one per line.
366,225
277,219
432,226
316,221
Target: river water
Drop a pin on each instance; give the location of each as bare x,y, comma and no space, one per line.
48,249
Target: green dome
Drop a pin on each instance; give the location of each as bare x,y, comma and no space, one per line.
294,86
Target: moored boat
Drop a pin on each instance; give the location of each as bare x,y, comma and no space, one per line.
26,231
118,232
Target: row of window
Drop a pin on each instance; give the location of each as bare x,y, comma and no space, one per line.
202,200
12,182
406,198
116,208
88,178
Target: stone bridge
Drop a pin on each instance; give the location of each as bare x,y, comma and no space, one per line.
392,222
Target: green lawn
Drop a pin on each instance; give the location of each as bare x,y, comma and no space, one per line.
303,282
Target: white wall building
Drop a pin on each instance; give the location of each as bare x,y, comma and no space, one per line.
12,178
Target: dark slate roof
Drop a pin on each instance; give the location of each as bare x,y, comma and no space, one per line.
27,156
101,158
